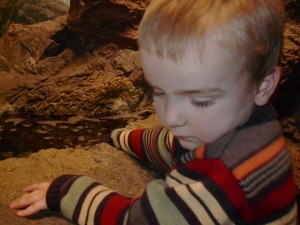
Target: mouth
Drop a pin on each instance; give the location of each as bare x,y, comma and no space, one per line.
182,138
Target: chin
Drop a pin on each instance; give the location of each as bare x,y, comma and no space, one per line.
188,145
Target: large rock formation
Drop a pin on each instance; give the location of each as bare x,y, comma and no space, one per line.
85,63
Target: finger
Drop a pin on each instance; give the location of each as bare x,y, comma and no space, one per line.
30,210
24,201
34,187
29,199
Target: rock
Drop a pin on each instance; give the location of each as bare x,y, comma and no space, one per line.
92,17
126,60
68,71
100,76
106,164
4,65
35,11
292,8
8,12
291,49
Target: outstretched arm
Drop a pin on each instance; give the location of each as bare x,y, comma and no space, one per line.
33,201
151,145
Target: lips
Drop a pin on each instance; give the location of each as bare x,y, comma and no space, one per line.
182,138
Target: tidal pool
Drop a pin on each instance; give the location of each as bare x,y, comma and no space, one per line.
21,136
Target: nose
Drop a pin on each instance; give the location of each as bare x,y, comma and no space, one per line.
174,114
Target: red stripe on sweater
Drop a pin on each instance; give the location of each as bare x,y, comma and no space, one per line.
219,173
135,140
113,209
277,200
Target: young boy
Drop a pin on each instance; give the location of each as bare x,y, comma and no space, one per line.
212,67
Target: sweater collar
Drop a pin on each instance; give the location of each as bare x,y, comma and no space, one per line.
215,149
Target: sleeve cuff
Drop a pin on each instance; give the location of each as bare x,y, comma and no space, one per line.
56,191
115,136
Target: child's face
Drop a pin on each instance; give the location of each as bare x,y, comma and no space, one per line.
200,101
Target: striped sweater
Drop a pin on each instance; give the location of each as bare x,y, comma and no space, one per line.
243,178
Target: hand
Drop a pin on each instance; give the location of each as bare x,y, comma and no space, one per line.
33,201
106,139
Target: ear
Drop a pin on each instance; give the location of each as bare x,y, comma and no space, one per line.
267,87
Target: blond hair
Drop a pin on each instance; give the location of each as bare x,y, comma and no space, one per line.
250,27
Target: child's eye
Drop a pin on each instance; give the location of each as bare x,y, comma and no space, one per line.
157,93
202,103
154,91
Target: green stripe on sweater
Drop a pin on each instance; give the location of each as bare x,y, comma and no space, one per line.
70,200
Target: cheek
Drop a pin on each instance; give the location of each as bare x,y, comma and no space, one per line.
210,126
159,111
214,123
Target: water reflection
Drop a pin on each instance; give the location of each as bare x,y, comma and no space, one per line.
22,136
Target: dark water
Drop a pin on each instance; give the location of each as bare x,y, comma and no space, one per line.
22,136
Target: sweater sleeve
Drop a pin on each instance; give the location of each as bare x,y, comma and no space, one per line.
193,194
153,145
85,201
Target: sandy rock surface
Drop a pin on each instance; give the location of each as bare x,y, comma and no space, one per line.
111,167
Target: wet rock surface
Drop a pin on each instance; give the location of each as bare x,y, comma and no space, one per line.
20,137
